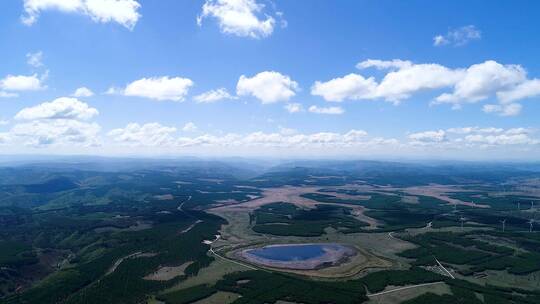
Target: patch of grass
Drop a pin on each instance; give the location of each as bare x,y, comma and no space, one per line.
188,295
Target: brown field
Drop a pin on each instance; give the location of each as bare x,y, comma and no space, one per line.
292,195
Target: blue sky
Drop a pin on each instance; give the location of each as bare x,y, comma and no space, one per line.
446,79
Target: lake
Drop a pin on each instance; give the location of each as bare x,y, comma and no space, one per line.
299,256
293,252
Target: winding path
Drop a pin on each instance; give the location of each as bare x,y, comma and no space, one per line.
402,288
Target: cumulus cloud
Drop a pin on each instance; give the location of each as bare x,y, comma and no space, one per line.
213,96
400,84
293,107
157,88
267,86
60,108
189,127
61,122
35,59
458,37
149,134
83,92
326,110
526,89
123,12
403,79
490,79
482,80
352,86
41,133
22,83
244,18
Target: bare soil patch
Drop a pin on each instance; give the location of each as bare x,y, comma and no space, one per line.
292,195
166,273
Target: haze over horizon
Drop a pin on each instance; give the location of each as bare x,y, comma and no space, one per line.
261,78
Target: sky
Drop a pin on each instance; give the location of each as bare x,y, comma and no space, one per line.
362,79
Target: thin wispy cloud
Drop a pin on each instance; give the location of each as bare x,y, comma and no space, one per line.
458,37
214,96
35,59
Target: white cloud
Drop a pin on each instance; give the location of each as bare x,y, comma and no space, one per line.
32,8
352,86
123,12
384,64
468,130
7,94
267,86
83,92
156,135
404,79
40,133
326,110
400,84
159,88
285,140
458,37
189,127
213,96
35,59
60,108
293,107
474,138
239,17
439,40
490,79
149,134
482,80
502,139
22,83
4,122
526,89
509,109
428,137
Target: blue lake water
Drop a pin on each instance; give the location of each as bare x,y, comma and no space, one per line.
298,252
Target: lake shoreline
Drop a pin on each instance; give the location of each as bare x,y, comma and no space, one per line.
331,254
